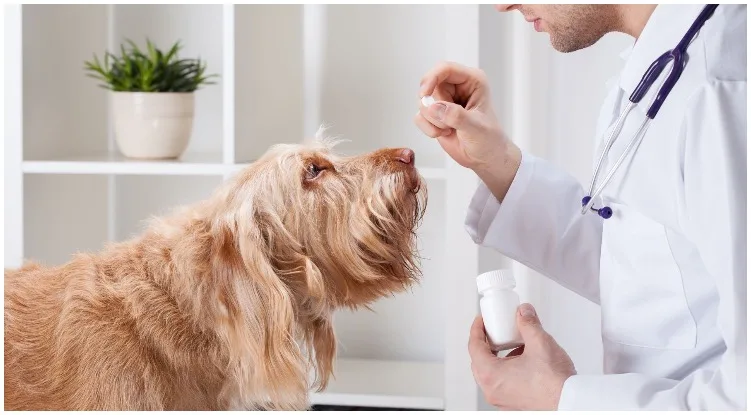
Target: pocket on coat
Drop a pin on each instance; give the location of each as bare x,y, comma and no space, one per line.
642,293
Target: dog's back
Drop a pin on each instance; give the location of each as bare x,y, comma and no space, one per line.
93,334
33,304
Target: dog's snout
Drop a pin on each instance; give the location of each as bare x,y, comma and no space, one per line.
406,156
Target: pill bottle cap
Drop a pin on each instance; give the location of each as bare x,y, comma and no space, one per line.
500,278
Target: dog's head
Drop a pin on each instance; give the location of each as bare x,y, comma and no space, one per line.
335,228
306,231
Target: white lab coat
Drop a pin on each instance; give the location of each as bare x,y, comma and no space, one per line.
669,268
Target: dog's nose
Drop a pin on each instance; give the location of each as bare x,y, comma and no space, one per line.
405,156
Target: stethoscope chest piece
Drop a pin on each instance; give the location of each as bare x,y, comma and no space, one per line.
604,212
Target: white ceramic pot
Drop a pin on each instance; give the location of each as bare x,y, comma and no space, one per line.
152,125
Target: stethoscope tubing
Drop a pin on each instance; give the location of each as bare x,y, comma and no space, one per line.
677,58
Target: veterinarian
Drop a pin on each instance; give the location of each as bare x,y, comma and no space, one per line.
661,247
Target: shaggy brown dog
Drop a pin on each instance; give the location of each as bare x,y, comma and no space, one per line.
226,304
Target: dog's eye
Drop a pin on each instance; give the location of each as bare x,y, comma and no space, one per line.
313,171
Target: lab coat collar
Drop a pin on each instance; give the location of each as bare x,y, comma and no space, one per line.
663,31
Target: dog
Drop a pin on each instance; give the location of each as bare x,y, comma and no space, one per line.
223,304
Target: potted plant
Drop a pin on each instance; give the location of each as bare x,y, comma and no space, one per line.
152,98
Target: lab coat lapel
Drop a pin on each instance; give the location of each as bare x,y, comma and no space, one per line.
663,31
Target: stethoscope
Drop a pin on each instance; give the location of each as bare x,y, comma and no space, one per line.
679,57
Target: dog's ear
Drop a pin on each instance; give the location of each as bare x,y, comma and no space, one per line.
266,357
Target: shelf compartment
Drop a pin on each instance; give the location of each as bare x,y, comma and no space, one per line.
64,113
384,384
141,197
165,24
63,215
268,82
340,82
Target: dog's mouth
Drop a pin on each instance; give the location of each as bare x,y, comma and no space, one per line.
411,181
413,205
401,195
414,181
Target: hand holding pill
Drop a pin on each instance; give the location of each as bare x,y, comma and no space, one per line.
456,109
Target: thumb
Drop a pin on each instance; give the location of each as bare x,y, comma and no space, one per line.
530,327
454,116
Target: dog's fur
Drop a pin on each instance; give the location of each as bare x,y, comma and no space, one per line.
226,304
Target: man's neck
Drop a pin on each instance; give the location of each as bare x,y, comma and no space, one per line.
634,17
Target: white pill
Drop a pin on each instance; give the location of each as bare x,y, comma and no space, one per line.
427,101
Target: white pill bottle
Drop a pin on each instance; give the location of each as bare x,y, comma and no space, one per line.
498,305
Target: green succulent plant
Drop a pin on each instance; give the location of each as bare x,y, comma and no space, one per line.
153,71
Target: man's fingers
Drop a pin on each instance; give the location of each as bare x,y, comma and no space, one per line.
449,115
450,72
430,114
479,349
530,328
429,129
528,315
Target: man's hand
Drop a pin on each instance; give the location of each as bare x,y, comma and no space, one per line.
464,123
530,377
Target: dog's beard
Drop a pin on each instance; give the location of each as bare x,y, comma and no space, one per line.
397,214
386,235
392,207
396,205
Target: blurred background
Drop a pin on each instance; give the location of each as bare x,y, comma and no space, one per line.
283,70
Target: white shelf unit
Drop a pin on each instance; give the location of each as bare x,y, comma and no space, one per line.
283,70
